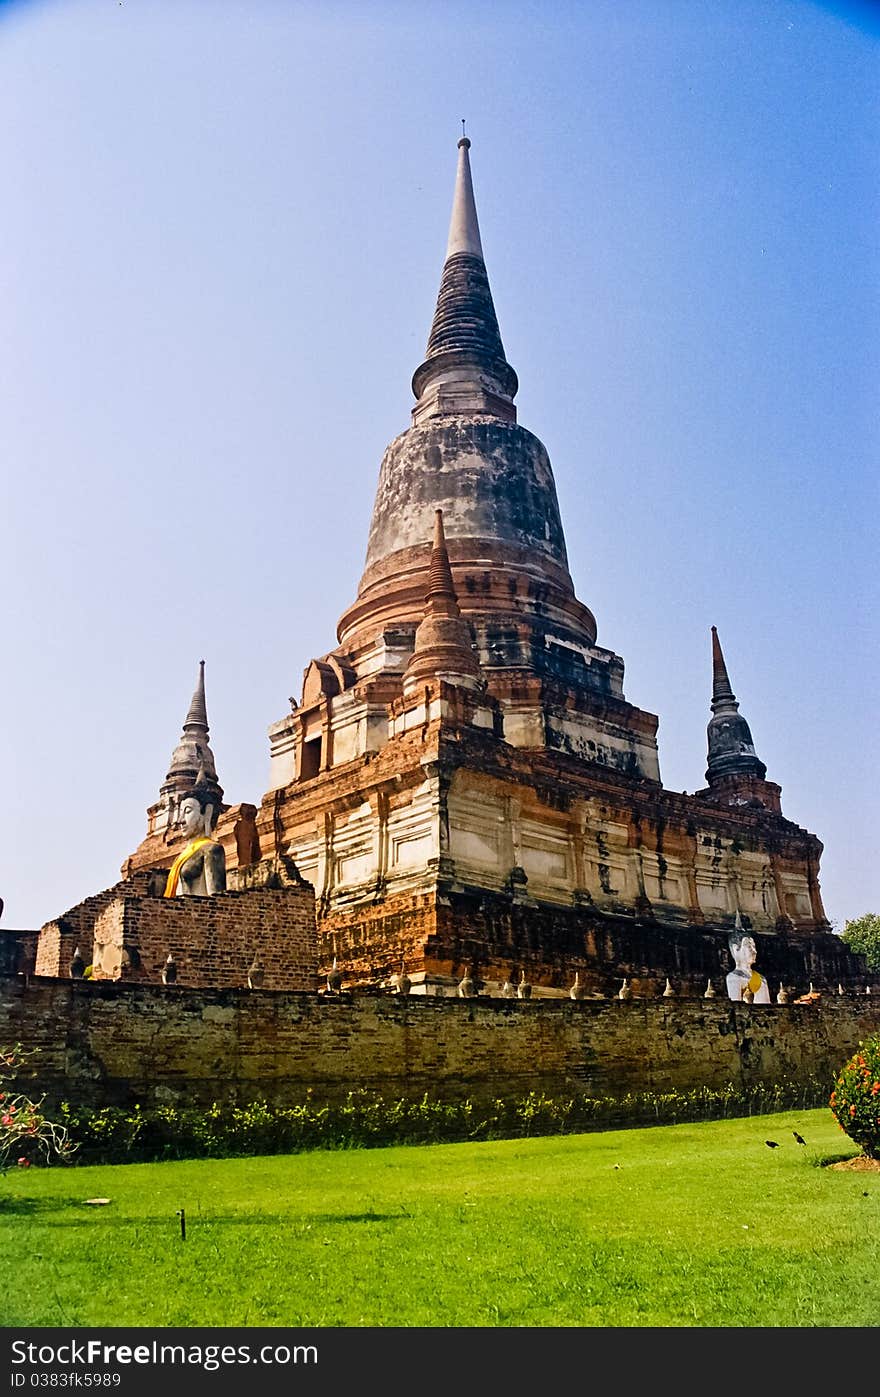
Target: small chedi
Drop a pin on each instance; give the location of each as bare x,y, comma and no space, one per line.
178,917
461,785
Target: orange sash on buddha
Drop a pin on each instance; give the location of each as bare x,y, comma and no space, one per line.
174,871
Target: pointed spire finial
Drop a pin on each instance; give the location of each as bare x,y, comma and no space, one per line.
731,749
464,369
722,693
197,717
441,587
444,646
464,230
192,761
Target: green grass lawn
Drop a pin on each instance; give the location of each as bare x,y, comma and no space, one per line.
697,1225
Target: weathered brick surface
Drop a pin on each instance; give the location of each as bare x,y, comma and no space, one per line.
18,951
495,938
117,1042
59,938
214,940
601,932
372,941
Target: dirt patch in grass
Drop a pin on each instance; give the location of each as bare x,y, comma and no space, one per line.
860,1162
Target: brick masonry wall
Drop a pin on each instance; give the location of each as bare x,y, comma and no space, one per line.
59,938
372,941
113,1042
213,940
18,951
494,938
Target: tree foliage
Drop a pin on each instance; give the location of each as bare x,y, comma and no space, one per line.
862,935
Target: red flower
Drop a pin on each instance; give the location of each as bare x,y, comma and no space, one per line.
24,1162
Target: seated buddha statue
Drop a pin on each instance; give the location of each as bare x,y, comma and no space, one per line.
200,868
744,982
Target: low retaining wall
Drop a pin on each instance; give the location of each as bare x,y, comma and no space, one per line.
113,1043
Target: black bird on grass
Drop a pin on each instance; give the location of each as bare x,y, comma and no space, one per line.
800,1139
774,1144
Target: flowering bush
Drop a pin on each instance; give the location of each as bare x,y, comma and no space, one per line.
26,1136
855,1100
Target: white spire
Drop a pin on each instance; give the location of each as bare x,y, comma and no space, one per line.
464,230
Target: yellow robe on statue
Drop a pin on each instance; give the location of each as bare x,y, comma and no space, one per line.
174,871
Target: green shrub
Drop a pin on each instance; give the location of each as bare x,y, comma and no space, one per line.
855,1100
114,1134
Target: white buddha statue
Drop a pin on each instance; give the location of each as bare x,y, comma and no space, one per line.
200,868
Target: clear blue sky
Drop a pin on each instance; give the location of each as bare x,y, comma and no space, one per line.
222,234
